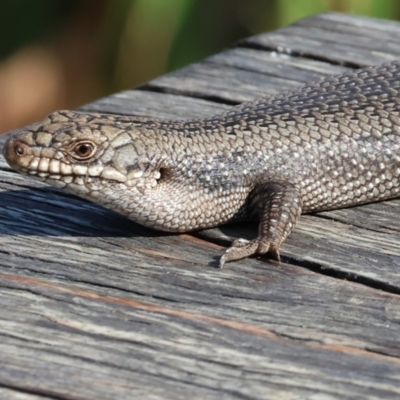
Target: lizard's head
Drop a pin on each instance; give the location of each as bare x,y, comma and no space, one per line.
135,166
58,149
94,156
76,150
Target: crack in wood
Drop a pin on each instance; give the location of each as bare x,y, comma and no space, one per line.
39,393
297,54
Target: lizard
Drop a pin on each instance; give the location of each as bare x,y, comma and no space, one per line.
330,144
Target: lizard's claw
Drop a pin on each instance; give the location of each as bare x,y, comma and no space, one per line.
242,248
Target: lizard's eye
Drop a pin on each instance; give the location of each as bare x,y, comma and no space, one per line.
19,150
83,150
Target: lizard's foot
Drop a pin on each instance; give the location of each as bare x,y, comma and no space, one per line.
279,205
242,248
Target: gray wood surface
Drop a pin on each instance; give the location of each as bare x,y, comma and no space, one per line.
94,306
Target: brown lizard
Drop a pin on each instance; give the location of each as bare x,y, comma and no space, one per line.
332,144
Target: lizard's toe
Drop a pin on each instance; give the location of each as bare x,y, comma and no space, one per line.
241,248
273,253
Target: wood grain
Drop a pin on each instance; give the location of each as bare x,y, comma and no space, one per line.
94,306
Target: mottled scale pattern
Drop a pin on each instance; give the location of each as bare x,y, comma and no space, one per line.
327,145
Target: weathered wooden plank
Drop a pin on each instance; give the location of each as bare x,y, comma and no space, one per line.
95,306
155,105
125,344
355,26
256,76
356,41
369,253
276,64
11,394
376,217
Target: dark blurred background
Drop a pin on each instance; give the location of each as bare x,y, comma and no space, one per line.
63,53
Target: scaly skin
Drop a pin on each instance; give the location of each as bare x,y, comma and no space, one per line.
332,144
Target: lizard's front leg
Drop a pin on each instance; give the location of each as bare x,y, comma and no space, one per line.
279,206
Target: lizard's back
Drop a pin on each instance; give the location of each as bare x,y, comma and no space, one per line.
338,140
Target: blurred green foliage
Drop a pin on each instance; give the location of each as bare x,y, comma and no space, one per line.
24,21
139,39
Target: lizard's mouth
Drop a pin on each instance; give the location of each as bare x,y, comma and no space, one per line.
33,160
30,160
